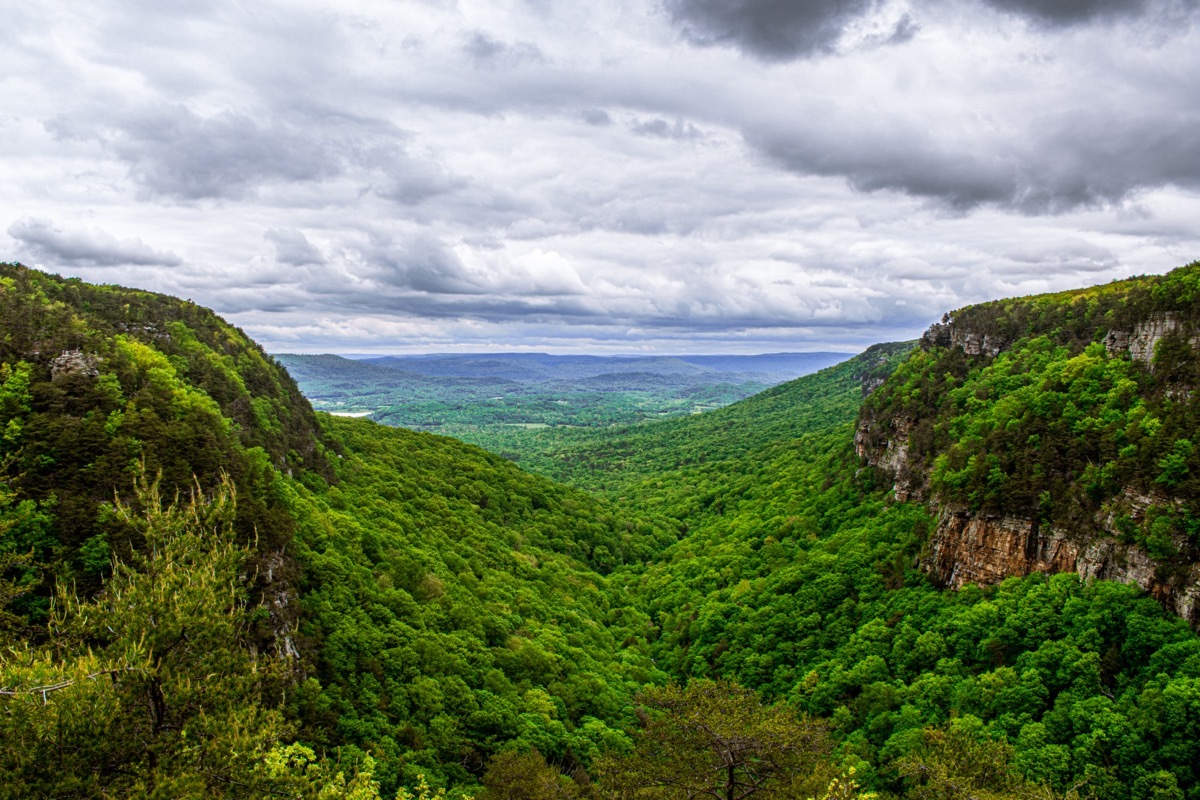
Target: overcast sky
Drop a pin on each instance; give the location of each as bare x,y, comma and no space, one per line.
622,176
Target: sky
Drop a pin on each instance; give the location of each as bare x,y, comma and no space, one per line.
622,176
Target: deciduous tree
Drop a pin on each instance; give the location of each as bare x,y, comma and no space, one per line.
715,739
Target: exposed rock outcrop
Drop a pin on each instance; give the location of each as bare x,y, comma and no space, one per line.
75,362
892,458
1141,341
967,548
277,578
948,333
872,382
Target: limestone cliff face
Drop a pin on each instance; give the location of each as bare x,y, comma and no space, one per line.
884,444
985,550
277,580
969,548
1140,342
950,333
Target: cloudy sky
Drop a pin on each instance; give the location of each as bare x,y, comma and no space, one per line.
618,176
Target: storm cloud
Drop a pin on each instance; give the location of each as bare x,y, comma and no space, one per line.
783,30
1084,159
1074,12
771,29
662,176
293,247
173,152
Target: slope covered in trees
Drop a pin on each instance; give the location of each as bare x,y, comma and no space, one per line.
391,604
427,602
455,606
99,384
799,573
1076,410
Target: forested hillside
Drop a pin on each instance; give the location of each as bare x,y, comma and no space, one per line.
208,590
455,606
99,385
366,590
802,576
1056,433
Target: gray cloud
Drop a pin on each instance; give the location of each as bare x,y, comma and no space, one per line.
173,152
407,180
1084,158
292,247
422,264
597,117
487,51
176,154
1071,255
1062,13
661,129
783,30
904,30
774,30
95,248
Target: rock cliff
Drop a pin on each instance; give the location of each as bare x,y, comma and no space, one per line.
1141,342
1087,481
968,548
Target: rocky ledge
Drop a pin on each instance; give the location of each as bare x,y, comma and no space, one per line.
967,548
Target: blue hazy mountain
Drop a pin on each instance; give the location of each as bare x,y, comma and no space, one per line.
441,391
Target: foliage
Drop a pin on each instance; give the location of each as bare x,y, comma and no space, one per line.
456,607
452,605
450,617
295,771
845,787
152,689
671,457
718,740
496,400
526,776
1063,425
142,690
955,763
796,577
100,382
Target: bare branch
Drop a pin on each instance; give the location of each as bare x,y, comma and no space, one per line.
54,687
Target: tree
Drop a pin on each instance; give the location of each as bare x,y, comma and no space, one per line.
715,739
10,590
845,787
959,763
151,689
525,776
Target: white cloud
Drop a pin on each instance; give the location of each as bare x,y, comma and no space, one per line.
744,175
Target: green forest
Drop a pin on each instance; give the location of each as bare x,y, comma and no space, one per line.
496,398
207,589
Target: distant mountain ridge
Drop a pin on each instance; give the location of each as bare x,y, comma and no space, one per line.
444,392
533,367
